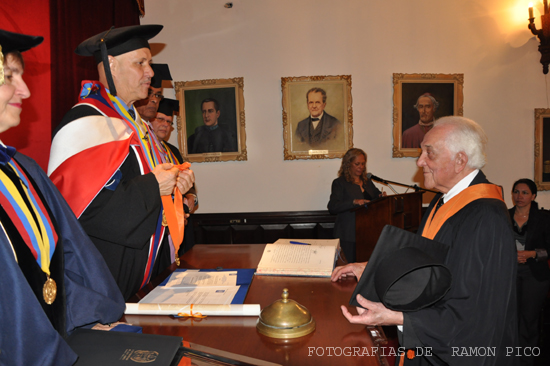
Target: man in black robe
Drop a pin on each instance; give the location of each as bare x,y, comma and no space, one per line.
108,166
475,322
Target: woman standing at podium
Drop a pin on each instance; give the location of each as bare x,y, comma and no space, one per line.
351,189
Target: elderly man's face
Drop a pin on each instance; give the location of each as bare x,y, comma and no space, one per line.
148,107
315,104
132,74
436,160
209,114
425,108
162,125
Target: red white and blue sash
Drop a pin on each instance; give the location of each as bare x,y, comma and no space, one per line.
87,152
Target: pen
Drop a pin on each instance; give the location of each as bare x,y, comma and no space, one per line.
298,243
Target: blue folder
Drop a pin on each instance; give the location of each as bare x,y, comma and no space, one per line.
244,278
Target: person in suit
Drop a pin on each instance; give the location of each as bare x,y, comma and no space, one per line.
320,127
532,234
52,277
212,136
351,189
426,105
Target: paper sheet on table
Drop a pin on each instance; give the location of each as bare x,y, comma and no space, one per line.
191,278
191,295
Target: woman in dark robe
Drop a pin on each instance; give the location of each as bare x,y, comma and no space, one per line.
53,279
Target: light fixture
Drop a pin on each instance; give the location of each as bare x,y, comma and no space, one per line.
542,34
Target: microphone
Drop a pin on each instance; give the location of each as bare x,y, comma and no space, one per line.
374,177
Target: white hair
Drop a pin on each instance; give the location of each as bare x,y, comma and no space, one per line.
466,136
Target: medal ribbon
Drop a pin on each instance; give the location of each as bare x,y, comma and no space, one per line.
171,157
175,216
39,234
95,93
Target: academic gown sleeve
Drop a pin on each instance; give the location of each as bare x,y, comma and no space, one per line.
126,212
27,336
479,309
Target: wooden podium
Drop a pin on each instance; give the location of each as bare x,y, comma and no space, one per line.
401,210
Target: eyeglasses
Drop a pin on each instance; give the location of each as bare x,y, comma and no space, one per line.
161,120
156,95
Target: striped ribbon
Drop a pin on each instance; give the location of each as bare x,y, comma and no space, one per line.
36,230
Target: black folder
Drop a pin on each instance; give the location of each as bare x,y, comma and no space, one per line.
97,347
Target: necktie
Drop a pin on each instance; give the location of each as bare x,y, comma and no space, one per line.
314,119
6,153
439,204
132,114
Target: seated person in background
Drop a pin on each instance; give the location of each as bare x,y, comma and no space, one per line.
52,277
162,126
117,198
212,137
352,188
470,216
532,234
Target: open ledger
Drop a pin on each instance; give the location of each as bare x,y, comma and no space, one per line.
300,257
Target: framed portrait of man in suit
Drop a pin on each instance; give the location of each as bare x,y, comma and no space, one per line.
418,100
542,149
211,123
317,117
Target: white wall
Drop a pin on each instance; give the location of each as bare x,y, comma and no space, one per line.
264,40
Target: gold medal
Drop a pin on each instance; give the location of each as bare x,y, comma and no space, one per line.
164,221
177,261
49,291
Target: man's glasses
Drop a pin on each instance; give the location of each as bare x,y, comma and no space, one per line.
171,123
156,95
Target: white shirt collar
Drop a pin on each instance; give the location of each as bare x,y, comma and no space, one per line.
460,186
320,116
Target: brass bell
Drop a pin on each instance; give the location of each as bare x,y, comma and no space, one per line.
285,318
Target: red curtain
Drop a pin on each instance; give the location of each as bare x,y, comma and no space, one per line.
71,23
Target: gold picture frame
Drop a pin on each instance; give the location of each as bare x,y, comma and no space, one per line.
332,136
542,149
446,89
197,140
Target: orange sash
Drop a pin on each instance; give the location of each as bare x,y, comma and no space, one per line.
173,210
456,203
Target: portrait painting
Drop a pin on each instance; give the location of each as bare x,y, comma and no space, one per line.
211,126
418,100
542,149
317,117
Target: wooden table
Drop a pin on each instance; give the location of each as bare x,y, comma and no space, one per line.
325,346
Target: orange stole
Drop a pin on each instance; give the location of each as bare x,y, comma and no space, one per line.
173,211
456,203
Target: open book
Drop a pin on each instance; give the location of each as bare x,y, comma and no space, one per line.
300,257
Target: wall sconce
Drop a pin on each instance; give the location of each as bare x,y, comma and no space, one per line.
542,34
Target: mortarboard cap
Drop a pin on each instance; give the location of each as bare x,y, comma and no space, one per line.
162,72
10,42
406,272
169,106
117,41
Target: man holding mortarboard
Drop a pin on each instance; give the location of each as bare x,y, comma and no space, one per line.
474,321
108,166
